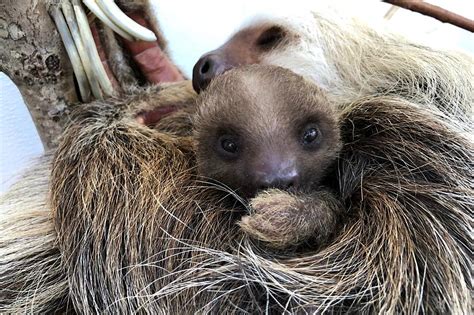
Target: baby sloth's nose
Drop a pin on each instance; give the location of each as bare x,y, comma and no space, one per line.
276,172
281,180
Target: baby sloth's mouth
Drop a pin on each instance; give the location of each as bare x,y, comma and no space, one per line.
272,176
250,192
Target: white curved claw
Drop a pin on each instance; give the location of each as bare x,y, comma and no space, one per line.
123,21
72,53
68,12
91,49
94,8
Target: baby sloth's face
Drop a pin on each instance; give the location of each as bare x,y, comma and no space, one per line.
262,127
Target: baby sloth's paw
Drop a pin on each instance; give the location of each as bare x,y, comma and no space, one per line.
278,219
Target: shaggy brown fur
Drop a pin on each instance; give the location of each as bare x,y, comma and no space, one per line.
137,232
265,113
31,273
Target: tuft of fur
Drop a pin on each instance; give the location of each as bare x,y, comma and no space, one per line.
31,273
283,219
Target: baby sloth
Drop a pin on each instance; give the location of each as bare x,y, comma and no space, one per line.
270,135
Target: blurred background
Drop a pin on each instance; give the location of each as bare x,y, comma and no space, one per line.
195,27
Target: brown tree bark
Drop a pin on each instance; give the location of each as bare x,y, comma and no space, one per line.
32,55
436,12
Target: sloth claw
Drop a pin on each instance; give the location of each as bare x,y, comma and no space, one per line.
91,49
72,52
100,14
112,16
75,32
73,26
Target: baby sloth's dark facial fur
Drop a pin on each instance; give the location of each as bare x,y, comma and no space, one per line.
262,127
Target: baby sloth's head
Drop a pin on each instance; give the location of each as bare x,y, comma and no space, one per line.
261,127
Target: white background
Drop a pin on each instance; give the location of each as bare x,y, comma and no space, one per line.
195,27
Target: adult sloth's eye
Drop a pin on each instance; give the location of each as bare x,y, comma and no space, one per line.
310,136
270,37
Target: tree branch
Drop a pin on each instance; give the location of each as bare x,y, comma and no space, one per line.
32,55
436,12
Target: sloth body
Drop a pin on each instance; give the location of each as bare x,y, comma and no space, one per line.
271,136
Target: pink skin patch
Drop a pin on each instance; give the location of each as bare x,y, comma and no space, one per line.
152,117
152,62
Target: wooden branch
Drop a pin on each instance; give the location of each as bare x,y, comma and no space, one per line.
32,55
436,12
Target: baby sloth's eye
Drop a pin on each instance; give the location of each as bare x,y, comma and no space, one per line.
228,146
310,135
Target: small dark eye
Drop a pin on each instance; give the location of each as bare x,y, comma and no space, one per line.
310,135
270,37
229,145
